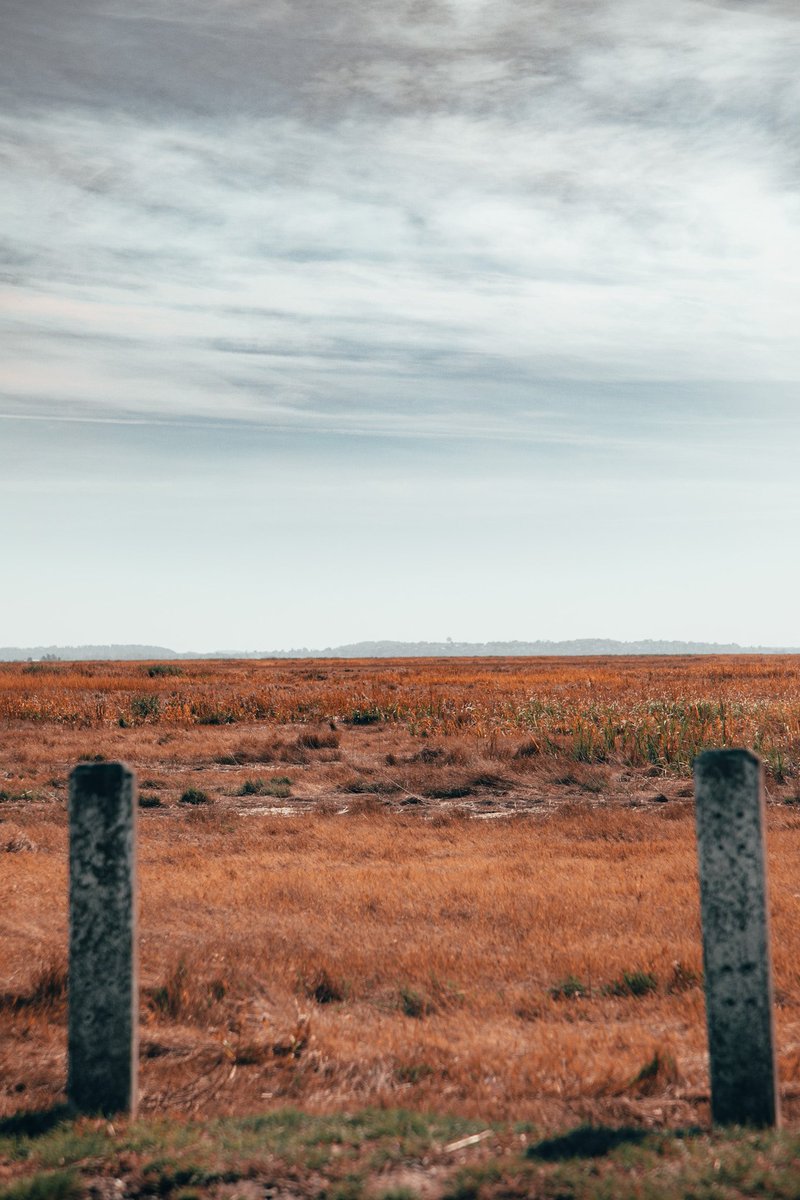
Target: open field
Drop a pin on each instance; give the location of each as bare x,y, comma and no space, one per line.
464,887
635,710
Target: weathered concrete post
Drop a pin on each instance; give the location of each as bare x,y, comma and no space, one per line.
103,986
736,948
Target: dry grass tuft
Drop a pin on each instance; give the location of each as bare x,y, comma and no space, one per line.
657,1075
14,840
46,993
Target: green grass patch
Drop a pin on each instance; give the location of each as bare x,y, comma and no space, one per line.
632,983
45,1185
46,1156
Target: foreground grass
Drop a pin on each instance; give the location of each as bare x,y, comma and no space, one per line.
388,1154
544,968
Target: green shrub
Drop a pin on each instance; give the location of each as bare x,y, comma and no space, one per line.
195,796
570,988
632,983
364,716
143,707
252,787
413,1003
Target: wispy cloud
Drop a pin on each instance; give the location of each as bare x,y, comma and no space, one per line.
591,191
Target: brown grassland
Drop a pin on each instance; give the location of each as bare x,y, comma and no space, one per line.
461,886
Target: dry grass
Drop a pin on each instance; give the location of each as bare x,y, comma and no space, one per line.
658,711
379,942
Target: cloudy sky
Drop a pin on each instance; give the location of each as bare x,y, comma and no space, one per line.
399,318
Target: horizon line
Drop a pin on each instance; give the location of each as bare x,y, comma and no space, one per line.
587,647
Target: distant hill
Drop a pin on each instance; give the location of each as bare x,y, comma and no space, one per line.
389,649
576,647
82,653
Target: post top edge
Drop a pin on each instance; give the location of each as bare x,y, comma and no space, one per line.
95,769
720,760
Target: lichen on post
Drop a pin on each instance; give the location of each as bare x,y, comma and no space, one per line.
103,986
736,947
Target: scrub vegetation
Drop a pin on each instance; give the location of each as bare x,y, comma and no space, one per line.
636,711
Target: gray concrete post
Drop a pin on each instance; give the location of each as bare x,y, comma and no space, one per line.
736,949
103,985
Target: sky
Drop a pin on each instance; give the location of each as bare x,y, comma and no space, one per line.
402,319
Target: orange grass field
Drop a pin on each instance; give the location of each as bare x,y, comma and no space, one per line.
458,885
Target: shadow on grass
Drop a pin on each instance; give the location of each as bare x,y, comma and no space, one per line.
593,1141
33,1124
587,1141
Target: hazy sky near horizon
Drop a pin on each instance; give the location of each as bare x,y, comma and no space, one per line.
399,318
